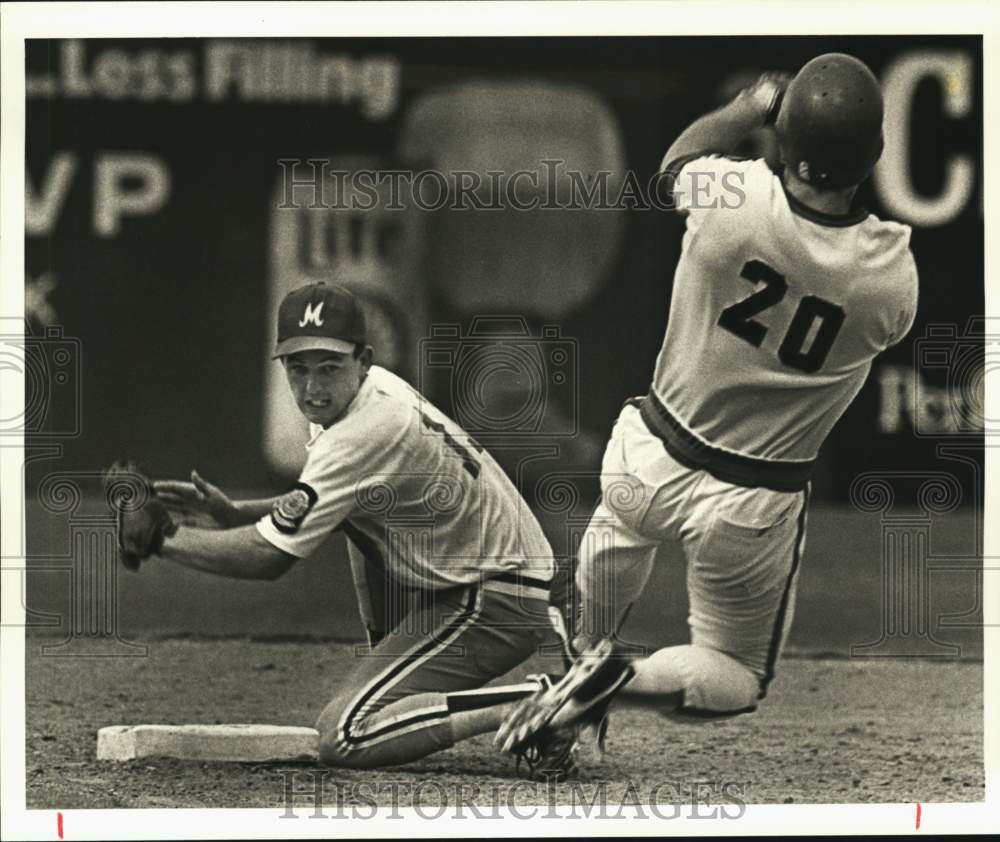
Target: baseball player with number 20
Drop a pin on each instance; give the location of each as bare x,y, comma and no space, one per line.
784,292
458,599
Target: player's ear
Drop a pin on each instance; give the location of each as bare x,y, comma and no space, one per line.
365,357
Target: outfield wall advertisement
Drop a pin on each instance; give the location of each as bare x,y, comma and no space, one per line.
494,201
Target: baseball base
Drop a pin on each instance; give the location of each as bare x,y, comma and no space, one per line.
238,742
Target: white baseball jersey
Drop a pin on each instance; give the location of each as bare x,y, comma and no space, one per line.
777,310
411,489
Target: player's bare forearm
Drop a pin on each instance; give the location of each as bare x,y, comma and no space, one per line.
250,511
200,504
720,131
240,553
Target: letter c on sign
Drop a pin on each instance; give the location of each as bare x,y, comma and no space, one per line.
953,69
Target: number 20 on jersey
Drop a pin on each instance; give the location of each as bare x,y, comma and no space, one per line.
739,319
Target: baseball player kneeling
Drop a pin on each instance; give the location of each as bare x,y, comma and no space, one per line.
452,567
784,292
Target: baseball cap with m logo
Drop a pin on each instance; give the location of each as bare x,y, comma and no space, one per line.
320,317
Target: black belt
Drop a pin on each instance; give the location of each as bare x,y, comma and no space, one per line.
520,579
734,468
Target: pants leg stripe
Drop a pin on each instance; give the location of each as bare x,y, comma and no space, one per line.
352,734
779,621
399,726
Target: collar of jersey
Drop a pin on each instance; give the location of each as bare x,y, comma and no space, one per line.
834,220
315,431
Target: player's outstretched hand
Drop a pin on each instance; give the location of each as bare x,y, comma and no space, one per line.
766,94
196,503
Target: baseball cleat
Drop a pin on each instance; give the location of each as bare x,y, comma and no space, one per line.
553,721
548,755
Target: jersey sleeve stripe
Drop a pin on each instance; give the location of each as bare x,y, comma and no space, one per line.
672,170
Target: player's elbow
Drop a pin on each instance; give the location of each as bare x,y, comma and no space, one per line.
267,561
277,566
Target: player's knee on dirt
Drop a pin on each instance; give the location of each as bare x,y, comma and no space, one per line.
712,684
335,752
716,684
333,749
373,735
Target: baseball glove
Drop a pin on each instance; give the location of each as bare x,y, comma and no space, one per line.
142,519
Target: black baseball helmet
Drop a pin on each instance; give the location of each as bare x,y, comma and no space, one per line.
830,124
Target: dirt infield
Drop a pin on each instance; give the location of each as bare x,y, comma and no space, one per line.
831,731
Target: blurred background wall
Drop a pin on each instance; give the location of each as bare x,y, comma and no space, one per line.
166,216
